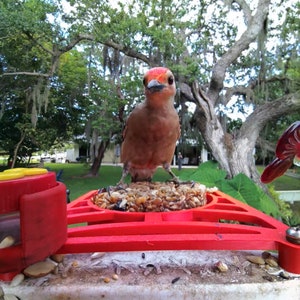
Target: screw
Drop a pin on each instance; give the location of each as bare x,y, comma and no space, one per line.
293,234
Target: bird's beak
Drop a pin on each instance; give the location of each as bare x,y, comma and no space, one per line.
155,86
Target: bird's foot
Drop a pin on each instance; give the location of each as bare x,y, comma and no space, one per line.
121,186
178,181
109,189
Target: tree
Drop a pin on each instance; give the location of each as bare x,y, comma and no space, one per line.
64,118
216,61
234,152
107,102
31,49
242,67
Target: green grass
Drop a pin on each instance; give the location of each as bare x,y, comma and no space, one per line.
73,178
284,183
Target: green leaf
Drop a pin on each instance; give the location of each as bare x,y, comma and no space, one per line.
207,173
244,189
240,187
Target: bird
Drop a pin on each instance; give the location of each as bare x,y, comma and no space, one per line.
152,129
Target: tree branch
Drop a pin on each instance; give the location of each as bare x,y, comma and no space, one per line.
245,8
237,91
30,36
247,91
203,101
127,51
289,103
252,31
265,144
186,92
76,40
25,73
256,82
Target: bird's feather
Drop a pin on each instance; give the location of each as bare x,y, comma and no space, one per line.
152,128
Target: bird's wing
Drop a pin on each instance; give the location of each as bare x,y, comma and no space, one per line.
128,121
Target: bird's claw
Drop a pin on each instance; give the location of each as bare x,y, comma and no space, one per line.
178,181
110,189
121,186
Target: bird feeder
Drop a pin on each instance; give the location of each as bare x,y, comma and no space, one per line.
224,223
34,212
32,218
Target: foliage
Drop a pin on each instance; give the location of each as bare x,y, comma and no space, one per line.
284,208
63,119
240,187
80,91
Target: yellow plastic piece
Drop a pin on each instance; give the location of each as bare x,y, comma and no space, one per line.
11,175
14,170
35,171
17,173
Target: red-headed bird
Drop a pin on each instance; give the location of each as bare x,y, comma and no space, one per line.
152,129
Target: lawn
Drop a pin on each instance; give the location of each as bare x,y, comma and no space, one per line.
284,183
73,178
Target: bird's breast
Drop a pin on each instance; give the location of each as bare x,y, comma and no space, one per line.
159,129
150,137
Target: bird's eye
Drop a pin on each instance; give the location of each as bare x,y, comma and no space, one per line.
170,80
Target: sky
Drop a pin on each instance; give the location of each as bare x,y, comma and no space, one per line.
236,18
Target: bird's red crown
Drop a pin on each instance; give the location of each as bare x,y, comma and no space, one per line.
157,73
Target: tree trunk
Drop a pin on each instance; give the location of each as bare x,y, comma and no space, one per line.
99,154
17,149
235,153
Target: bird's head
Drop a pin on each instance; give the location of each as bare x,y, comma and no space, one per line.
159,84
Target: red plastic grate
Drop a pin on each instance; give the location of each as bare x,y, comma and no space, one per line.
223,224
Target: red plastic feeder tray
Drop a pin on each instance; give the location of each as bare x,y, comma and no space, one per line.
203,228
33,209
